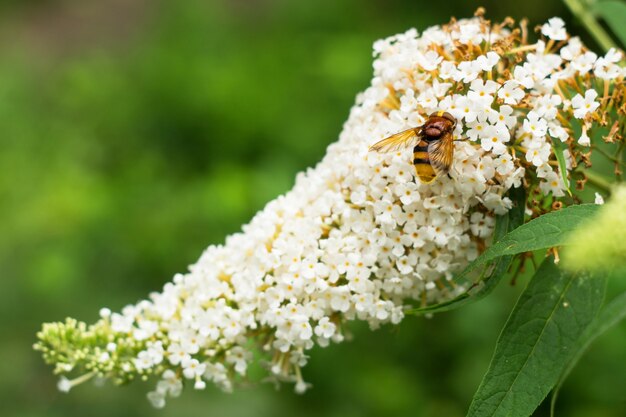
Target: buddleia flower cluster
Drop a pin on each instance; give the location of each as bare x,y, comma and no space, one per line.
359,237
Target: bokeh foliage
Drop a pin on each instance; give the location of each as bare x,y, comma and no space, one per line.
135,133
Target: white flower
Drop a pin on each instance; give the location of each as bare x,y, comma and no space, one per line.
64,384
143,360
340,299
553,183
606,67
503,115
482,91
468,109
146,329
547,106
170,383
504,164
469,33
510,92
572,49
614,56
488,61
481,225
556,130
535,125
192,368
121,323
301,387
584,139
539,154
554,29
448,70
584,63
523,76
476,129
428,100
599,199
494,139
467,71
429,60
155,352
157,399
176,354
325,328
239,357
583,106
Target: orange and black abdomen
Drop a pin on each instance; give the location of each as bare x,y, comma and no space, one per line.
421,161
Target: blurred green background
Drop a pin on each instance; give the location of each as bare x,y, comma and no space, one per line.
134,133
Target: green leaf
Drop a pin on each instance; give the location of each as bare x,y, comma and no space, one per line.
537,341
614,14
559,149
611,314
543,232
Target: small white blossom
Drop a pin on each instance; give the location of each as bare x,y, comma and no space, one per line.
585,105
606,67
599,199
325,328
488,61
429,60
481,225
511,93
157,399
535,124
554,29
494,139
572,49
176,354
505,114
192,368
170,383
64,384
584,63
584,139
539,154
143,360
523,76
467,71
553,183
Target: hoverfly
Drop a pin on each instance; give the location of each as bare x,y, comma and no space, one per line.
434,147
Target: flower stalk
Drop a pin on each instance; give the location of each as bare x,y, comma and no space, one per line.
359,237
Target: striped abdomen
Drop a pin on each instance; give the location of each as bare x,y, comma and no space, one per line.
421,161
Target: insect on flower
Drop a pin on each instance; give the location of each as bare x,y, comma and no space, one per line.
434,147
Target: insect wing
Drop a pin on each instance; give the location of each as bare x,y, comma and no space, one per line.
440,153
397,141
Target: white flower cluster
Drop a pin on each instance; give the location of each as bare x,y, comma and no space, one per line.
358,236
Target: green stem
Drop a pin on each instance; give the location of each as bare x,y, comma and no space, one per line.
580,9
